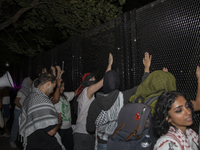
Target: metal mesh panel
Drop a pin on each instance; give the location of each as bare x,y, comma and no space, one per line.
95,48
63,53
169,30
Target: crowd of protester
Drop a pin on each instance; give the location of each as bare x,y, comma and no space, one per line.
42,113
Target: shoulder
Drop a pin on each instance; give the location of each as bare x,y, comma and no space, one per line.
20,94
166,142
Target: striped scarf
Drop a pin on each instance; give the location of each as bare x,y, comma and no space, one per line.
38,112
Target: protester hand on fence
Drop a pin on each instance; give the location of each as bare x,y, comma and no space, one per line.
110,59
147,61
198,72
196,103
53,70
110,62
165,69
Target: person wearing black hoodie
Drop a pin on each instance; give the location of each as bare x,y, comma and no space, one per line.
103,111
83,140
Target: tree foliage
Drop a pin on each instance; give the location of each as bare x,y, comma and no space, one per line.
28,27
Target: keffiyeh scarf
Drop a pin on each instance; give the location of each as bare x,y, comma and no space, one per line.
38,112
178,135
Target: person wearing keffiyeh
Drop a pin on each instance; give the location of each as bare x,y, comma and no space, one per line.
19,100
39,120
172,118
103,111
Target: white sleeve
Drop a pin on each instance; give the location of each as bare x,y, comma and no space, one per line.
20,94
69,95
167,144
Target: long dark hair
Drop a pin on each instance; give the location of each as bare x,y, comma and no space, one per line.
163,105
62,94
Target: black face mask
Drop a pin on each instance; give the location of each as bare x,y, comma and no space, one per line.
111,81
86,82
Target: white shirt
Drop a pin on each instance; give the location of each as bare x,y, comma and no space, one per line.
22,98
6,100
63,106
83,107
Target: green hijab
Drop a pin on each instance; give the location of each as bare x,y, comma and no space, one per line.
154,85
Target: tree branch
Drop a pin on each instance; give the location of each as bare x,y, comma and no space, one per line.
68,9
17,15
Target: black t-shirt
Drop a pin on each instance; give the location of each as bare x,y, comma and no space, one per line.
41,140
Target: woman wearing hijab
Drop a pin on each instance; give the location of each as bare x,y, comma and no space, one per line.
21,95
104,110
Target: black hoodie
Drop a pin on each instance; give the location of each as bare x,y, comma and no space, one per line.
103,102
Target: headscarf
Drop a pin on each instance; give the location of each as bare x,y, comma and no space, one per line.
85,82
111,81
154,85
25,89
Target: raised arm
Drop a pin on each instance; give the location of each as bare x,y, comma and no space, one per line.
95,87
56,95
196,103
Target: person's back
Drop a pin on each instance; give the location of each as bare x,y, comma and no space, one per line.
104,110
83,140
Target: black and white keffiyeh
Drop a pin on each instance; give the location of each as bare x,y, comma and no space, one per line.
38,112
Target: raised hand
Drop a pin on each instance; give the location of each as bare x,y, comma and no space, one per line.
147,61
58,71
165,69
110,59
53,70
198,72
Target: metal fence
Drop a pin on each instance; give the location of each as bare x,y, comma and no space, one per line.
168,29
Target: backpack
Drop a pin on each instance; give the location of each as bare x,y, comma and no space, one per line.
134,130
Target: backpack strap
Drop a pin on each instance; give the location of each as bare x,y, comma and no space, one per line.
119,128
133,133
150,100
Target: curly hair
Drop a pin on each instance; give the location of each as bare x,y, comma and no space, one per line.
163,105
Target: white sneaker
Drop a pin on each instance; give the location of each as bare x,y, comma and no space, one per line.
13,145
